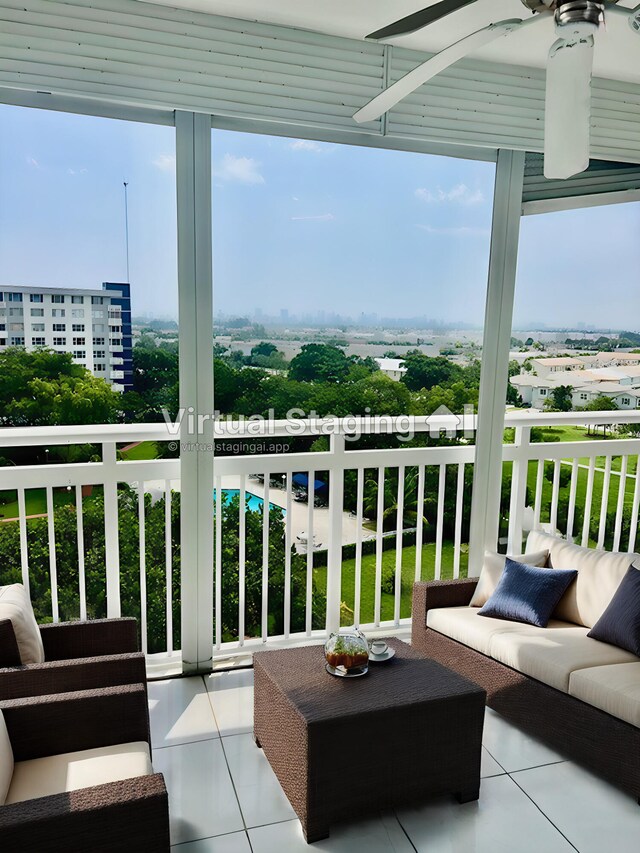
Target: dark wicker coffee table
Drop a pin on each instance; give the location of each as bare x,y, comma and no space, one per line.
344,747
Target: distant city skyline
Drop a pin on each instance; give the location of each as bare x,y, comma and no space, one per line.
299,226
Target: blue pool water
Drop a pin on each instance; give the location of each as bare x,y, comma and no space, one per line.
254,503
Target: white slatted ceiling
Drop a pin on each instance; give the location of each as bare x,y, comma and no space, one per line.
131,53
600,177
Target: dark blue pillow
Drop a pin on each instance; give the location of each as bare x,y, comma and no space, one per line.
620,622
527,593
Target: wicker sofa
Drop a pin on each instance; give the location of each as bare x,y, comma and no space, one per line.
580,696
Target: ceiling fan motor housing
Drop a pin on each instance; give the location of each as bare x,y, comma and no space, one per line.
579,11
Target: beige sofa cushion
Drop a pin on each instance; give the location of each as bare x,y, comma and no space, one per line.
6,760
492,569
551,654
57,774
16,606
599,575
614,689
465,625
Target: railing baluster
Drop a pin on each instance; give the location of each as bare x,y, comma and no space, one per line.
379,531
358,571
399,528
288,535
622,491
265,560
440,521
142,541
555,493
588,502
537,507
168,555
218,562
242,554
633,527
82,581
419,523
53,567
604,504
573,491
24,548
111,534
311,497
457,547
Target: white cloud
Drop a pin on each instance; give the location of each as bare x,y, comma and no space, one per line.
82,171
31,161
165,162
460,194
308,145
294,198
459,231
323,217
241,170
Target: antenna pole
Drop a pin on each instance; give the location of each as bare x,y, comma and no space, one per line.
126,225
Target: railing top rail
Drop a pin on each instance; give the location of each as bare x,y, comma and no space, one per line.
296,427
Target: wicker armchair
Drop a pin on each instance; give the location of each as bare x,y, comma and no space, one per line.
131,814
78,656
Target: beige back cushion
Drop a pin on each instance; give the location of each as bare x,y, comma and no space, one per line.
492,569
599,575
16,606
6,760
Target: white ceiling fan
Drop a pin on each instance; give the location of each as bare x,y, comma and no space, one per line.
569,69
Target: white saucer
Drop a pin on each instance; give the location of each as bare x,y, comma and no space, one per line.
381,658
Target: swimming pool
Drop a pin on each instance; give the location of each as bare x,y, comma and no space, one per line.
254,503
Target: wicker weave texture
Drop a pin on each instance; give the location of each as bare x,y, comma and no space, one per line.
411,720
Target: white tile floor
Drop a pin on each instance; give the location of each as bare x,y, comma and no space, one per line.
224,797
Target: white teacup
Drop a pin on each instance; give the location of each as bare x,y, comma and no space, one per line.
378,647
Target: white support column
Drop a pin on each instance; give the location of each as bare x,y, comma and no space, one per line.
487,474
334,553
193,176
519,476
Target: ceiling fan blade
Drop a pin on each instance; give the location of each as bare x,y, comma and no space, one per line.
420,19
567,122
439,62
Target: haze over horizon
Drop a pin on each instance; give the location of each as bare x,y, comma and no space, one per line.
299,225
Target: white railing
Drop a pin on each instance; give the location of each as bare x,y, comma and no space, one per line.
282,575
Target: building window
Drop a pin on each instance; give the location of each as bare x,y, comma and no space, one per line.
3,342
78,313
78,353
57,312
3,327
115,314
543,392
626,401
115,330
14,297
98,328
584,396
77,327
97,315
36,297
99,368
99,353
16,327
37,327
35,312
98,342
97,300
77,300
37,342
57,298
59,327
17,342
79,342
116,342
59,342
17,312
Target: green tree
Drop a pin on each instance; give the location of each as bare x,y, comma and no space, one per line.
425,372
560,399
319,363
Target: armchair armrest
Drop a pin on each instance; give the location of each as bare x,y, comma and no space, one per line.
96,637
67,676
428,595
68,722
9,651
128,815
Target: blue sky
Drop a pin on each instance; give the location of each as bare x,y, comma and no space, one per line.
299,225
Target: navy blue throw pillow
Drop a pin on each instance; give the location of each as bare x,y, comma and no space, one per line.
527,593
620,622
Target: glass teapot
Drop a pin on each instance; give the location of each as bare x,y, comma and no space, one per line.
347,653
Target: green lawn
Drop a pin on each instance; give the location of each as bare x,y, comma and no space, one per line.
367,586
143,450
35,501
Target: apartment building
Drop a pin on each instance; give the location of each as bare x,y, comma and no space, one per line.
93,325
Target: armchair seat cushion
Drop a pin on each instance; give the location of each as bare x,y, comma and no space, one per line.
15,606
71,771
